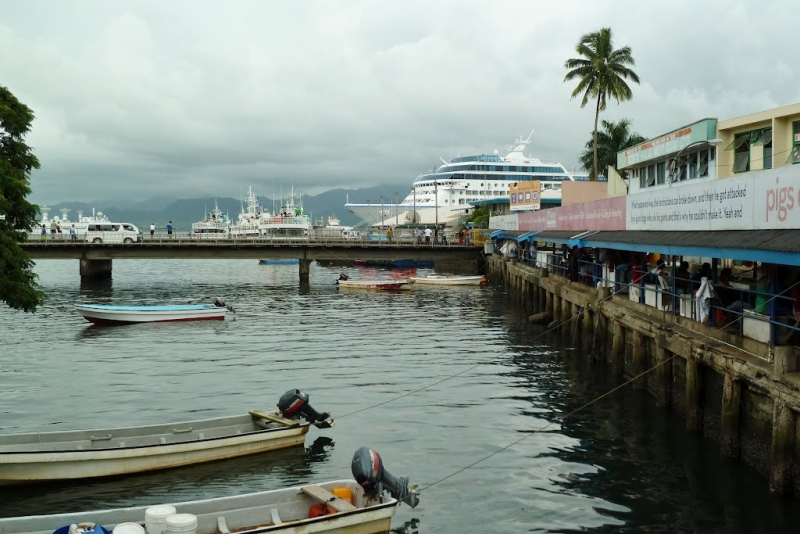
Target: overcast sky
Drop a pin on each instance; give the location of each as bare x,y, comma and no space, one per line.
199,98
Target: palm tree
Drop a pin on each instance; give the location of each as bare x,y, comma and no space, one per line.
614,137
602,72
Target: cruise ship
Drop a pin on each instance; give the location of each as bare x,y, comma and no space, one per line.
444,194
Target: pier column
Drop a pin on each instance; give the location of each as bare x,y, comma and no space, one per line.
663,377
780,475
618,348
731,398
95,270
639,357
305,270
694,384
586,325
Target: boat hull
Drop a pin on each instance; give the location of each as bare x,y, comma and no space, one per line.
252,512
438,280
373,285
125,315
68,455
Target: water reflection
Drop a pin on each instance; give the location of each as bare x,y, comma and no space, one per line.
259,472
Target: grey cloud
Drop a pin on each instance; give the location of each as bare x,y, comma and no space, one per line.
197,98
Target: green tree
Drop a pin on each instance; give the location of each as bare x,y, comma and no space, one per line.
613,138
479,216
601,73
18,286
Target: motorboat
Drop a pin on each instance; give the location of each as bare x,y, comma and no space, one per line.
443,195
374,285
78,454
449,280
364,505
109,315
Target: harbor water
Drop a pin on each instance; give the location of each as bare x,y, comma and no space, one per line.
453,386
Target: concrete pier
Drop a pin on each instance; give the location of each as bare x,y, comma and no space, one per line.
93,270
738,391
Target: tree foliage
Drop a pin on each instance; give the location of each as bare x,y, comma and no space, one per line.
479,216
601,72
613,138
18,286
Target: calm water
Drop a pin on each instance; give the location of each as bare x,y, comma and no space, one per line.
494,381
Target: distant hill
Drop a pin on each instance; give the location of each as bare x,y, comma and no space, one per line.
184,212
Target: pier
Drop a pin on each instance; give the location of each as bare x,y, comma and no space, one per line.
741,392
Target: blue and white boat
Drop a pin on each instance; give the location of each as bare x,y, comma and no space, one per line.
101,314
443,195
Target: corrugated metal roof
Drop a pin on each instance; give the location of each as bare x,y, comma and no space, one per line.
777,240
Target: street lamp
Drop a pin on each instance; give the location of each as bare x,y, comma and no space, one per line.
673,166
382,215
396,208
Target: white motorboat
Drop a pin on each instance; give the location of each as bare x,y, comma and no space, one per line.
443,195
449,280
108,315
77,454
340,506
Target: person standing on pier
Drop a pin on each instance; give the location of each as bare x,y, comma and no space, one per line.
169,229
72,236
152,230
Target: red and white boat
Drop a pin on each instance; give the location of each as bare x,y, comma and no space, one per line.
121,315
374,285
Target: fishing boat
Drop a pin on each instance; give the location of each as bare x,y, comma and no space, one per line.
374,285
108,315
449,280
79,454
215,225
446,193
340,506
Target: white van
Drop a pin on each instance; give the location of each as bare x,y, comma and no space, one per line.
108,232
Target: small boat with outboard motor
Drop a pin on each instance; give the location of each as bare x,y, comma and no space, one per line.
364,505
108,315
101,452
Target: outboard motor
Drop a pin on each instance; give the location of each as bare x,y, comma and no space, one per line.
219,303
294,403
367,468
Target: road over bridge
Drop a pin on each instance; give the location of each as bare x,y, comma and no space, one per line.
96,258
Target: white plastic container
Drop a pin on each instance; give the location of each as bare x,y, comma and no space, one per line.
129,528
155,518
181,524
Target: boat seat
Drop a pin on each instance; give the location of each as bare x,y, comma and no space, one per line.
326,497
222,526
276,518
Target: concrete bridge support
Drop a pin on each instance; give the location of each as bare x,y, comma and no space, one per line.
92,270
305,271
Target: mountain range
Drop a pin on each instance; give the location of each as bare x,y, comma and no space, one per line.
183,212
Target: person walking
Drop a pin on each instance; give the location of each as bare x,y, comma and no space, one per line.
444,236
72,236
169,229
152,230
428,235
53,228
44,233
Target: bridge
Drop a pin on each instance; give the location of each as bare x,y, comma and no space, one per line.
96,259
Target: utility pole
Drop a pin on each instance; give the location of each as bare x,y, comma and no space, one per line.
436,201
396,209
382,214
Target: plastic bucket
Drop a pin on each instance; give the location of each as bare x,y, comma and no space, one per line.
181,524
155,518
129,528
344,493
